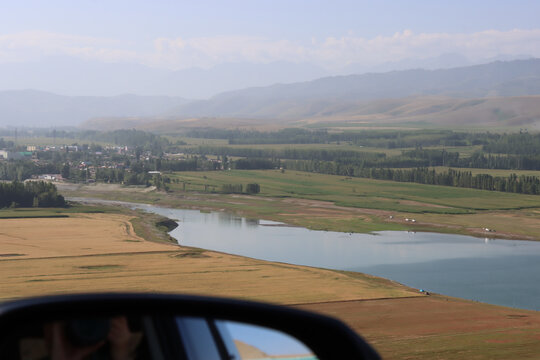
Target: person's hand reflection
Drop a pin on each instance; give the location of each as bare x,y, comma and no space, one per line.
61,348
122,341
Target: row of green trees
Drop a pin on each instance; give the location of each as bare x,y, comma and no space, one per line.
493,142
408,158
513,183
286,153
252,188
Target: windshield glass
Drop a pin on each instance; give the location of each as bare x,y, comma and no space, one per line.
375,162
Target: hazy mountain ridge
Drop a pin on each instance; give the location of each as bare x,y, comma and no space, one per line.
519,111
38,108
496,111
501,92
300,100
84,78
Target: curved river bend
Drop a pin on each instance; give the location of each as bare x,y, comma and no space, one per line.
502,272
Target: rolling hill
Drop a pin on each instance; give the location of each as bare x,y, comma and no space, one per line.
518,111
343,94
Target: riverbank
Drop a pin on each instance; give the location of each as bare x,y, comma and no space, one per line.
326,202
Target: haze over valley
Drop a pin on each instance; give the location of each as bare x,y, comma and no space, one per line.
498,93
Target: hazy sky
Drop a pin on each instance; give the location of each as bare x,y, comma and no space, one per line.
331,34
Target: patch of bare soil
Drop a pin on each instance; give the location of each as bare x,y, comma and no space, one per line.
102,187
329,206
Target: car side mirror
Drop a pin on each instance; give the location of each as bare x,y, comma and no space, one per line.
158,326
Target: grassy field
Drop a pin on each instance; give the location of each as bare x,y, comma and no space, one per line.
464,151
357,191
52,212
332,146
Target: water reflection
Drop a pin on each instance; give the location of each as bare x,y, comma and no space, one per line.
251,222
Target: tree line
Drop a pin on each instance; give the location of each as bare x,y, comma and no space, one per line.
285,153
418,157
451,177
373,138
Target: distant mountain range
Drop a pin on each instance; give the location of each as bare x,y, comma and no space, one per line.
438,111
42,109
74,77
495,93
334,95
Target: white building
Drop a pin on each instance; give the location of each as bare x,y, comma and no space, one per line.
10,155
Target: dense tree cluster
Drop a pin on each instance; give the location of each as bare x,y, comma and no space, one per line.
178,165
131,138
522,143
231,188
21,170
253,188
30,194
253,164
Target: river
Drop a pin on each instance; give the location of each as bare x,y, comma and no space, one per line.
501,272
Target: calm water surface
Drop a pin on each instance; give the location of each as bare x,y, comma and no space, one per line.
503,272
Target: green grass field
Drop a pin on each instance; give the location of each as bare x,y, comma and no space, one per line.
357,192
53,212
464,151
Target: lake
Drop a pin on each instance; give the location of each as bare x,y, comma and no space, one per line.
502,272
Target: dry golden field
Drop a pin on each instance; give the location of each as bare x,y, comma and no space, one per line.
100,252
439,327
78,235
